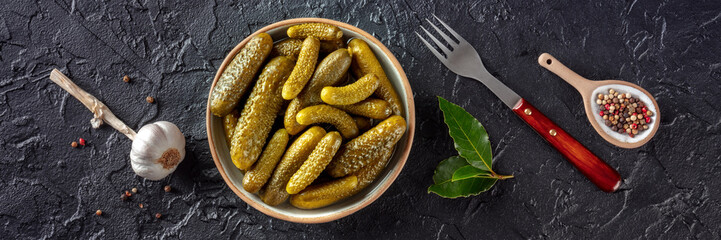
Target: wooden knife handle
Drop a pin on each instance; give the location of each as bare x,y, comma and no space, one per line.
605,177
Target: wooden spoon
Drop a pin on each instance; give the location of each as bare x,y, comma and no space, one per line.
590,89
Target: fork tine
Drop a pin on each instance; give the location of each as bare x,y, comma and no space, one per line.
454,33
443,47
433,50
448,39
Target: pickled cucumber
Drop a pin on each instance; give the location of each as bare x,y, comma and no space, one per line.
324,194
331,45
364,62
303,69
321,31
258,175
362,123
259,112
373,108
229,122
330,71
326,114
351,93
274,192
359,152
238,75
369,173
316,163
289,47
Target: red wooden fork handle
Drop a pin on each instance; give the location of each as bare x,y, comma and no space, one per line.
605,177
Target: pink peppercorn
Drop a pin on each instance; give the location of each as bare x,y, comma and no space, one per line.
601,113
81,141
648,119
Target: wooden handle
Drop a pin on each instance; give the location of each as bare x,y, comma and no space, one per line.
96,106
605,177
583,85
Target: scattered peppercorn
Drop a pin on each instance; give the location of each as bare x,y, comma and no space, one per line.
128,194
623,113
134,190
124,197
167,188
98,212
157,215
74,144
140,205
149,99
126,78
81,141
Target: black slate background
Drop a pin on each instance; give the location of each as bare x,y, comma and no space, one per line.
171,50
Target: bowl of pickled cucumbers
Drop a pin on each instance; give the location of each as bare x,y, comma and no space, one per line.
309,120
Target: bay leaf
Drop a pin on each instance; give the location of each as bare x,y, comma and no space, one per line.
444,187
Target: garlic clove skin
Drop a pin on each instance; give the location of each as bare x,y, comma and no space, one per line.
157,150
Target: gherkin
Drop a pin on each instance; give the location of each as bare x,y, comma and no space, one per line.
303,70
324,194
258,175
274,192
351,93
365,62
259,112
322,31
326,114
359,152
316,163
229,122
330,71
238,75
289,47
372,107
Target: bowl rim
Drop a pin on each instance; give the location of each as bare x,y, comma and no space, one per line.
403,153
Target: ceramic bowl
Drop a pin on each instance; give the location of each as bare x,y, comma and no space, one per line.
233,177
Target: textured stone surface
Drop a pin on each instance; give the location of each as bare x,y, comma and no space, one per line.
171,50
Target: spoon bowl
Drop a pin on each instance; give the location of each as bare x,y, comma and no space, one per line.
589,89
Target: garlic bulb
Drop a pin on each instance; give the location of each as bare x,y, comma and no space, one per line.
157,150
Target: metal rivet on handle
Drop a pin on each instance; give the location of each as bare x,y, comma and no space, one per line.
552,132
527,111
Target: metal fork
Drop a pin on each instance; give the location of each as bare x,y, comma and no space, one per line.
464,60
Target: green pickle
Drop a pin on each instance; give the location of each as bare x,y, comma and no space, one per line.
229,122
365,62
322,31
359,152
274,192
256,177
303,70
326,114
372,107
256,119
330,71
289,47
238,75
316,163
324,194
351,93
369,173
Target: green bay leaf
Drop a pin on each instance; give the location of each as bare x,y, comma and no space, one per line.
469,136
444,187
469,171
